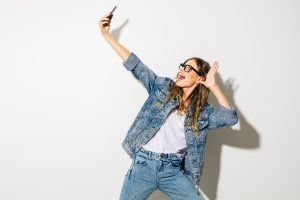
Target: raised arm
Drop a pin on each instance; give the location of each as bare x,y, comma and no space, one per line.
226,115
104,25
131,62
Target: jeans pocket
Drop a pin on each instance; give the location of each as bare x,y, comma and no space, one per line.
140,161
188,175
175,164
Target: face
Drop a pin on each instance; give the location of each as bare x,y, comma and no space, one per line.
188,79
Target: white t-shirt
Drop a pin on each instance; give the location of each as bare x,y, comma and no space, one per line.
170,137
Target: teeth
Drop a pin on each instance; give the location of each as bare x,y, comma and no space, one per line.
178,77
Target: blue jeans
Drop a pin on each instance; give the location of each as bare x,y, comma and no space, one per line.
150,171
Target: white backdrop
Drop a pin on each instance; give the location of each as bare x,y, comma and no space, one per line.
67,102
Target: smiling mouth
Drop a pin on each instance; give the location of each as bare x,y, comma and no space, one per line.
180,77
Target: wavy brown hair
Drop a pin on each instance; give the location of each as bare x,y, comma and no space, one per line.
199,96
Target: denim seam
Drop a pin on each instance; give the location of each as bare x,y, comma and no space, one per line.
131,166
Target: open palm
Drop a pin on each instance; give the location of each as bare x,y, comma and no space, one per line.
210,77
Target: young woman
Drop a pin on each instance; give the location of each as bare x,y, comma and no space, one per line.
166,141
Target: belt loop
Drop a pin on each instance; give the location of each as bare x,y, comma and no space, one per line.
161,155
182,156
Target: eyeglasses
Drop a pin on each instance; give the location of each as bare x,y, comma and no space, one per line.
188,68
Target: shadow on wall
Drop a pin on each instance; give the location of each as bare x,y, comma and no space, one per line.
117,32
245,137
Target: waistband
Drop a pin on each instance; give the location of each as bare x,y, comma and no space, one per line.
159,156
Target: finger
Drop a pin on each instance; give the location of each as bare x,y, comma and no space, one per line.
105,24
110,16
107,16
215,67
212,67
202,82
104,19
215,70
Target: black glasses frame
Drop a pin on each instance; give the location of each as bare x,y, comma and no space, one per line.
189,69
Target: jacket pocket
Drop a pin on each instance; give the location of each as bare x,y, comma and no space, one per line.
160,96
203,124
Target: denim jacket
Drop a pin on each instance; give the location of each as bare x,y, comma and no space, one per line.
155,111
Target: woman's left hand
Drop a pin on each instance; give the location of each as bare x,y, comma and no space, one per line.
210,77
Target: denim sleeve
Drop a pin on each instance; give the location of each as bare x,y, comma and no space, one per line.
222,117
142,73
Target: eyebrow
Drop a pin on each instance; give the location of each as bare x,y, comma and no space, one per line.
195,68
189,65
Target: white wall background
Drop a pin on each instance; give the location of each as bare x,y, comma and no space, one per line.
67,102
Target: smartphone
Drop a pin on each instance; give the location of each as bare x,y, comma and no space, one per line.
111,13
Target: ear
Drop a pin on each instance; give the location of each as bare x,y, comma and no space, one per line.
200,79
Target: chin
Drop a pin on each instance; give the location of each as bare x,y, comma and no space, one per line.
181,85
178,84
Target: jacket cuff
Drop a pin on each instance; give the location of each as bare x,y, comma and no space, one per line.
131,62
228,112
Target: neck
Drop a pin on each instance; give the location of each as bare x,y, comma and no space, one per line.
186,97
187,92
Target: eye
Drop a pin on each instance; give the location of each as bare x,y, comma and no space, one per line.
188,68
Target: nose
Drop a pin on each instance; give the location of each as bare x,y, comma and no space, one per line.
181,70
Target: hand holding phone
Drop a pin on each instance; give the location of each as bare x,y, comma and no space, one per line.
104,22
